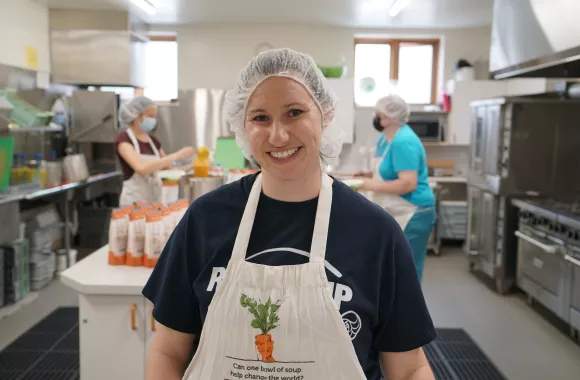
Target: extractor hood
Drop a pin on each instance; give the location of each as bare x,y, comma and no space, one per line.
99,48
535,38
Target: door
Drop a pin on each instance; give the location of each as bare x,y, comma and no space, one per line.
478,137
573,258
488,226
112,337
473,221
539,259
492,143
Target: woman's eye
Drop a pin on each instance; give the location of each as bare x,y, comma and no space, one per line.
260,118
294,113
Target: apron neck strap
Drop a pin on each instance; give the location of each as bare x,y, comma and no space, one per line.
318,247
133,138
320,235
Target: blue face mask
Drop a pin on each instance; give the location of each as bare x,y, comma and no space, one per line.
148,124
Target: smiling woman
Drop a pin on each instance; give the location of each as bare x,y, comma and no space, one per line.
310,272
284,128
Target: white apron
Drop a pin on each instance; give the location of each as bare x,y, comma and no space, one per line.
278,321
139,187
399,208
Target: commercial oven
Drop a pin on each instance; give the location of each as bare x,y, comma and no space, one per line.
520,147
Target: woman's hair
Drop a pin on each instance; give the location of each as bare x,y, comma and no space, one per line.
289,64
394,107
131,110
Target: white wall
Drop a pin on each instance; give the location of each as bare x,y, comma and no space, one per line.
24,23
212,56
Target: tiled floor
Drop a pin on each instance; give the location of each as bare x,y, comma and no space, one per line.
521,343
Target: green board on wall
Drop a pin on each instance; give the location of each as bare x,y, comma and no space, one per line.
228,155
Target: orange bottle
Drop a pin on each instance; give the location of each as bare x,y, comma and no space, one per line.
201,163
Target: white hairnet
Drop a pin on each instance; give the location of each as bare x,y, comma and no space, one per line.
132,109
394,107
291,64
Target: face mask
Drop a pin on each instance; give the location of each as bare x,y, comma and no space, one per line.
148,124
377,124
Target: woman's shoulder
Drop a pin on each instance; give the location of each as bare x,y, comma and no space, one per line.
406,136
122,136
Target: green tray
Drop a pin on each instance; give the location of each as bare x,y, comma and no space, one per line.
6,153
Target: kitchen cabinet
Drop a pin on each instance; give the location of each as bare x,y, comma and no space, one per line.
459,121
115,321
344,112
26,24
113,336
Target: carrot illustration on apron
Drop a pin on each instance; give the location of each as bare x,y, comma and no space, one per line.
265,319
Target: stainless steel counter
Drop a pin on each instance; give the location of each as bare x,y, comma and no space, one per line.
42,193
11,204
535,206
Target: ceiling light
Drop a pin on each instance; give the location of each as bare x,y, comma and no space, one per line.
145,5
397,7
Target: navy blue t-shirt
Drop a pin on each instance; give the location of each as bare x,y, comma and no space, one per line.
368,264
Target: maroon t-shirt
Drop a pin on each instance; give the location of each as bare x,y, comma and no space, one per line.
144,147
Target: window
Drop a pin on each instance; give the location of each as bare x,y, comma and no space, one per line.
161,68
407,67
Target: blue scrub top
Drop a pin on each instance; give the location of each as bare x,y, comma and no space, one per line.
406,153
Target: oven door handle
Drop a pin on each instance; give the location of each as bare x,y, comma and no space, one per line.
572,260
544,247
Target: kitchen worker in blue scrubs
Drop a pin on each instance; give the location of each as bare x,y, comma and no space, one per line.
288,269
399,183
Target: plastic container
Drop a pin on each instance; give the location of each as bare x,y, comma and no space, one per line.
201,164
136,238
154,238
168,223
118,231
140,204
169,191
181,207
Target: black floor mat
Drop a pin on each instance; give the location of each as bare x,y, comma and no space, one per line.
455,356
50,351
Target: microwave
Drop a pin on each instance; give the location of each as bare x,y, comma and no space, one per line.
428,128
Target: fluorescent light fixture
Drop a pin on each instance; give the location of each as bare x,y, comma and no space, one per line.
145,5
397,7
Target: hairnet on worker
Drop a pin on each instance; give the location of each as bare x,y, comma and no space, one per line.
290,64
131,110
394,107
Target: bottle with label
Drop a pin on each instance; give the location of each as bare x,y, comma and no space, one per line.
41,172
15,172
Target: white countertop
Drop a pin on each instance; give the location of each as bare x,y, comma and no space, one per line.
450,179
93,275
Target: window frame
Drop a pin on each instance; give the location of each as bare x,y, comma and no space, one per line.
154,37
395,44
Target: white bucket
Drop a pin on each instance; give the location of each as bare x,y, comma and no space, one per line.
61,259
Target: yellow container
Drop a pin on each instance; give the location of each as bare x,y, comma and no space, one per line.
201,164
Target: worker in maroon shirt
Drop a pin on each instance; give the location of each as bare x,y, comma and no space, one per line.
141,154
